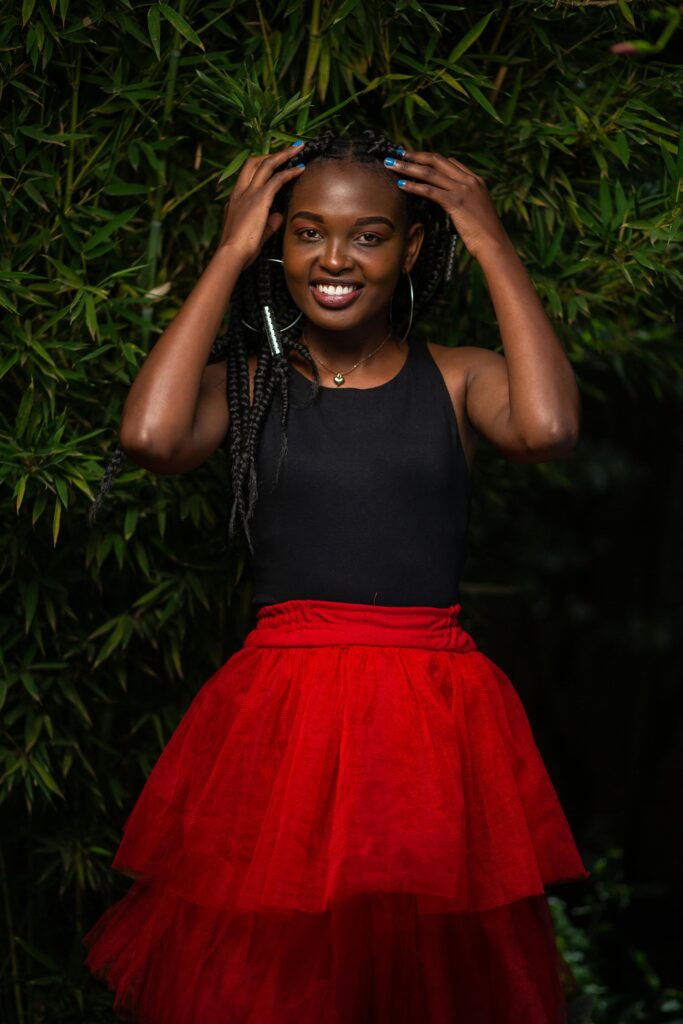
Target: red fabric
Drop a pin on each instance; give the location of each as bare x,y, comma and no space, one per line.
352,825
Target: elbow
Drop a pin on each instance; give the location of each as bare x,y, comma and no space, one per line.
147,449
551,443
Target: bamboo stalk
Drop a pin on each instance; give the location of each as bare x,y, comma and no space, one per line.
11,941
269,52
72,142
154,237
313,54
73,120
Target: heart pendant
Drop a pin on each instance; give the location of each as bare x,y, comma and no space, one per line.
338,379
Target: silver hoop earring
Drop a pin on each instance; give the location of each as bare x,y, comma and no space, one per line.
282,329
269,323
412,306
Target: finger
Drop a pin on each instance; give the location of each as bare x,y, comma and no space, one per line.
438,195
447,164
271,162
247,172
274,185
423,172
256,161
462,167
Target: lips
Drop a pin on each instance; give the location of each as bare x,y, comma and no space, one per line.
335,295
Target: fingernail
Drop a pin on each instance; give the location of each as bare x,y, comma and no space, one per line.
389,161
400,150
299,142
401,182
301,166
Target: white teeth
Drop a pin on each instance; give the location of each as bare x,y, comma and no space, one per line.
335,289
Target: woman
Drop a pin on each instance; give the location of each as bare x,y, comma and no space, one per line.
351,823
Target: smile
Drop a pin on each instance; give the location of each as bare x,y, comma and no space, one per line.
335,296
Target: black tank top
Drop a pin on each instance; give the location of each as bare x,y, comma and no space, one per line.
373,500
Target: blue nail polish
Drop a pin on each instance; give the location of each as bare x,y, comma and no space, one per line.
299,142
400,150
389,161
401,182
301,166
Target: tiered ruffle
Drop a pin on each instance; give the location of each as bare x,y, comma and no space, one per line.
343,831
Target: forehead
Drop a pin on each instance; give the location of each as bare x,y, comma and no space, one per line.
347,189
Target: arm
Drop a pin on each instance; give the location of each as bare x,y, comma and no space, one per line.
176,412
525,402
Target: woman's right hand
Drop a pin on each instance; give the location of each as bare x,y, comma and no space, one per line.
247,220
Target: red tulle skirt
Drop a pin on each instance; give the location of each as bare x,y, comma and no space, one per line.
351,824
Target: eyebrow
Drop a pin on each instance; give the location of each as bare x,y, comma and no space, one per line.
361,220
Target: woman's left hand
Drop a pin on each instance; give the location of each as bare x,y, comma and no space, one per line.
461,193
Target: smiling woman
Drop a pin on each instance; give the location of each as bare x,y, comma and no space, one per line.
352,822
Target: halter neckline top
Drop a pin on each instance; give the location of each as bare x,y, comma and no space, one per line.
350,387
373,500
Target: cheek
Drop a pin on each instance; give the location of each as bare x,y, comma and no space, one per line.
294,260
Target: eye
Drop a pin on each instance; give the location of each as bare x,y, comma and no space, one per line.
304,233
370,238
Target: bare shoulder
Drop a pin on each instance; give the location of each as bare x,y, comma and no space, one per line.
459,366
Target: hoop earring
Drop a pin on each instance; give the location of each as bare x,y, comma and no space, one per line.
270,320
412,306
282,329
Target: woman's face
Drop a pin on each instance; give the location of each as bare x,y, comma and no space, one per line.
345,243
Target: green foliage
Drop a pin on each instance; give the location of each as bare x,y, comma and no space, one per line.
123,126
588,938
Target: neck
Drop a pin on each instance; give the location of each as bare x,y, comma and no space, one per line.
352,344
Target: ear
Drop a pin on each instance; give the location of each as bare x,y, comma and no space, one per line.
416,234
272,224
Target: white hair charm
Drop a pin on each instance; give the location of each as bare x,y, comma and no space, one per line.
272,333
450,256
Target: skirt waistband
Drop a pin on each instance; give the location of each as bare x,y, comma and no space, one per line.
313,623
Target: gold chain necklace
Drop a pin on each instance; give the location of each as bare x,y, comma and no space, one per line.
338,377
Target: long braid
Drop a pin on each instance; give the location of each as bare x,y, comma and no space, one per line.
262,285
237,393
112,469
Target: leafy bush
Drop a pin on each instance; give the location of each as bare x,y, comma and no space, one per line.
123,127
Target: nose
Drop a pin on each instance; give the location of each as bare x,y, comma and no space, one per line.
335,258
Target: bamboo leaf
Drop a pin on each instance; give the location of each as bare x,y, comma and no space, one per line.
626,12
27,10
20,490
56,520
477,94
154,28
46,778
470,37
130,523
180,25
62,491
30,686
108,229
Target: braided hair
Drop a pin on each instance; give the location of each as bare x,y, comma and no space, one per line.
262,301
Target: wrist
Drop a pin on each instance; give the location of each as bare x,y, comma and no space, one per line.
496,252
228,253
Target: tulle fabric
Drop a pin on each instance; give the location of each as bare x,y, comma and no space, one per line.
351,824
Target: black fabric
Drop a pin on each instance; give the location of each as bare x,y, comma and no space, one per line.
373,500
